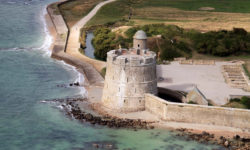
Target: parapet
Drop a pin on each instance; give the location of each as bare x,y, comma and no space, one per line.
131,57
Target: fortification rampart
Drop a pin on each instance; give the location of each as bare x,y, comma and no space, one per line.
130,74
189,113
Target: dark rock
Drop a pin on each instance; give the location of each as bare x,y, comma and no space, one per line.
237,137
77,84
88,117
245,139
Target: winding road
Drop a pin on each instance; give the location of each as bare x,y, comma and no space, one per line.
73,39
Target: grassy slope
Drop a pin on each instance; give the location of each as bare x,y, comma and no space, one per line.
110,13
164,11
238,6
73,11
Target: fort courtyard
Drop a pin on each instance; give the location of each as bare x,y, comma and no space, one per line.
209,80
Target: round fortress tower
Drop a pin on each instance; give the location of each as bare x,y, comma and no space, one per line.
129,75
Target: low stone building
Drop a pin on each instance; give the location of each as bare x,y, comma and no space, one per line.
130,74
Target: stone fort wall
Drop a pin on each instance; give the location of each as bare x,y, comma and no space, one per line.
127,79
188,113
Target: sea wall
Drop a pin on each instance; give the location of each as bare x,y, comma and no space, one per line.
60,44
62,32
189,113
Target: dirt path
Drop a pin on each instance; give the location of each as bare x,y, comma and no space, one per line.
73,40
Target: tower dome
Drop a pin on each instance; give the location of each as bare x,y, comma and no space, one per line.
140,40
140,35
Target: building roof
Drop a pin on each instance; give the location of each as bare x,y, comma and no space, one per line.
140,35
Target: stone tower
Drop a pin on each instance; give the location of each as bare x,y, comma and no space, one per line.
140,40
129,75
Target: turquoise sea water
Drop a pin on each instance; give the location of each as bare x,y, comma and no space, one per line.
28,75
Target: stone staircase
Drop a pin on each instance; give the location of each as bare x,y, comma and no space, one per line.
235,76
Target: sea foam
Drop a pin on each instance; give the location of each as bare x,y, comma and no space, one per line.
47,52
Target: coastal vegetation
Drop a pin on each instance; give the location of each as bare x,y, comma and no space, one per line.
201,15
246,70
74,10
103,72
104,41
170,41
222,43
243,103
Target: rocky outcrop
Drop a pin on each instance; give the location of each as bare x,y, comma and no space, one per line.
107,120
236,143
72,109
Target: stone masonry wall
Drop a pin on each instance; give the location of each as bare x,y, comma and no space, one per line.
127,80
141,43
188,113
60,26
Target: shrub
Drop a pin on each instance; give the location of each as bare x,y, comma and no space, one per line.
222,43
168,52
235,100
245,101
192,102
246,70
103,72
103,42
81,51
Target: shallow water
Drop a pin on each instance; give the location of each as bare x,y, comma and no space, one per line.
89,50
28,75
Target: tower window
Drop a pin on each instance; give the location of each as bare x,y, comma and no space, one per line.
138,45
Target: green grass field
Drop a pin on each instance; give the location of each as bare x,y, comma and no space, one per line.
110,13
238,6
74,10
158,10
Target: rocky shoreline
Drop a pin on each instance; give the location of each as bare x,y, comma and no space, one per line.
71,108
112,122
235,143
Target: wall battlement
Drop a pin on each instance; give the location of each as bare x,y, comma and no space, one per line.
131,57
